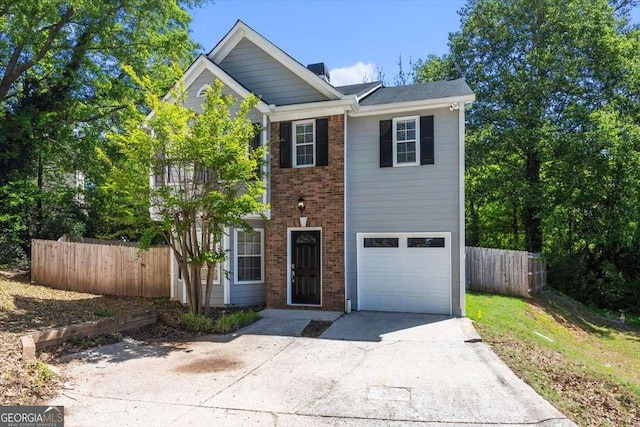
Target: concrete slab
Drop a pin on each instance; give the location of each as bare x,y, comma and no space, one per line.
329,316
376,326
290,327
372,369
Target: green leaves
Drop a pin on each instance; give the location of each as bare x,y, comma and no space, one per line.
203,175
553,138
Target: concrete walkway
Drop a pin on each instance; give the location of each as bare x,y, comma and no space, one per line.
367,369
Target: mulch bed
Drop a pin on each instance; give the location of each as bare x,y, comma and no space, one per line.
315,328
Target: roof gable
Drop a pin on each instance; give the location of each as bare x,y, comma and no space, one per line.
244,37
203,63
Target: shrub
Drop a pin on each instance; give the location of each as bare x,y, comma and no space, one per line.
232,322
195,322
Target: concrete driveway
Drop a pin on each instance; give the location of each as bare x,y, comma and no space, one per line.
367,369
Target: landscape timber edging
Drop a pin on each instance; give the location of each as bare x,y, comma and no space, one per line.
31,342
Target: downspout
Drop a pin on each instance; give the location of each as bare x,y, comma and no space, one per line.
461,209
266,167
347,300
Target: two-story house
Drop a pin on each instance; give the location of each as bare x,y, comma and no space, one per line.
365,185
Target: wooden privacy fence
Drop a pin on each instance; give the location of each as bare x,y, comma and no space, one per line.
505,272
101,269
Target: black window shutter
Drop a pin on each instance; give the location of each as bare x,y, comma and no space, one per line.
159,170
322,142
285,144
255,143
386,144
426,140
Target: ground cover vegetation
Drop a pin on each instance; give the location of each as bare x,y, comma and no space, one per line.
581,359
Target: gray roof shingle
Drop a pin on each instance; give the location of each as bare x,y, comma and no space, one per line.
418,92
357,89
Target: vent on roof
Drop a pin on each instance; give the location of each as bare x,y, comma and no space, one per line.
320,70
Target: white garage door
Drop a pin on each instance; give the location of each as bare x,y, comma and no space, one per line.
404,272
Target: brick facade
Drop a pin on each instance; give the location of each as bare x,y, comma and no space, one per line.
323,190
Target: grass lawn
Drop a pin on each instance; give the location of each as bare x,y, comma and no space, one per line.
584,361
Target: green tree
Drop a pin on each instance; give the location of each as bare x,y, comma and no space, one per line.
212,177
553,135
62,87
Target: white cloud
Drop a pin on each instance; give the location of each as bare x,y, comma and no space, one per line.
353,74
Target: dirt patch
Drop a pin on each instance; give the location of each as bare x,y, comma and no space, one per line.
588,398
204,366
315,328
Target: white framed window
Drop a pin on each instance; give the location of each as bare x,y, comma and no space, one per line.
406,145
249,256
304,143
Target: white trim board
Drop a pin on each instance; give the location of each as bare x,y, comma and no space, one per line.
235,258
203,63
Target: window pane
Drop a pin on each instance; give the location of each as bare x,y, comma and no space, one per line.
425,242
381,242
249,269
411,134
304,155
411,157
411,124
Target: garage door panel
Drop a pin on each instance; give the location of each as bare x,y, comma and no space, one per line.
405,279
415,284
371,300
394,302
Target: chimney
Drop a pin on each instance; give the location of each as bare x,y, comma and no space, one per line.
320,70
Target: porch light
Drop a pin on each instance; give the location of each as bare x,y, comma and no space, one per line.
301,205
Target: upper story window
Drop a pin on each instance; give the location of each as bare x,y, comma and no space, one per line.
406,149
407,141
305,143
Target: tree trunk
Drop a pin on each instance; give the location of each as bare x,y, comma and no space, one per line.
473,238
39,213
532,211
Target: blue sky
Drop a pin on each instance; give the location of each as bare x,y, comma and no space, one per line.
354,36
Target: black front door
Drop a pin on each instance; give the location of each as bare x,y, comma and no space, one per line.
305,267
